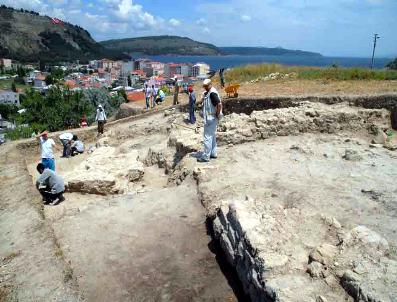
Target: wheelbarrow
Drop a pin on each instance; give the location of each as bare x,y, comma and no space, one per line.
232,90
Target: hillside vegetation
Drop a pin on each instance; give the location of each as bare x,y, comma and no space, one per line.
255,51
28,36
162,45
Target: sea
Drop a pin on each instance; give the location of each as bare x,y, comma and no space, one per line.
230,61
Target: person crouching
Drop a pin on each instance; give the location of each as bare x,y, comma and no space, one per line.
77,146
50,185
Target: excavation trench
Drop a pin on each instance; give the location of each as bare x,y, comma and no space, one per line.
148,238
149,242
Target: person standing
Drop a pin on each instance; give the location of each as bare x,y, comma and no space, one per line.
47,154
100,118
176,92
148,94
154,95
50,185
222,76
192,105
65,139
212,111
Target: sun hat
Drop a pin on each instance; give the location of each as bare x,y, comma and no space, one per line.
206,82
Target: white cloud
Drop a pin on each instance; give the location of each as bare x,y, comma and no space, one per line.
201,21
174,22
206,30
245,18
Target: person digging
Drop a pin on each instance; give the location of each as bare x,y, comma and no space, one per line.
50,185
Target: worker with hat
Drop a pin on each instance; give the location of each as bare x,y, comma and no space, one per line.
100,118
212,112
47,154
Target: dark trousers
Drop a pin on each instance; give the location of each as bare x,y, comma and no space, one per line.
74,151
48,196
66,147
101,126
192,117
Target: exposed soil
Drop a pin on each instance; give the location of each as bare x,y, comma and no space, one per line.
294,179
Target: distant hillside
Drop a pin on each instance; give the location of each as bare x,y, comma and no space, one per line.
162,45
277,51
27,36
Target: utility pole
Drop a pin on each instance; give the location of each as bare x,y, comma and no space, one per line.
376,37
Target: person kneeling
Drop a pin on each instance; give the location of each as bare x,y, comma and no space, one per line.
50,185
77,146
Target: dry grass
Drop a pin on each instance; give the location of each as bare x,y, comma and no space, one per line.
252,72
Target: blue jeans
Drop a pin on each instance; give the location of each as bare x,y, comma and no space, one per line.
192,118
147,102
48,163
210,138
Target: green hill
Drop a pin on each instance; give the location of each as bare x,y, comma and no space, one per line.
28,36
162,45
276,51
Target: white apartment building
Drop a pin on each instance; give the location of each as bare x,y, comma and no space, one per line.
9,97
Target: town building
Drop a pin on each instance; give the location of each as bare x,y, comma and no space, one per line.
6,63
9,97
184,69
39,82
200,70
127,67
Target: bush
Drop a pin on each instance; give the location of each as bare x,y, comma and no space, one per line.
392,65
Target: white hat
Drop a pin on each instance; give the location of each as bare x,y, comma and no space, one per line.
206,82
99,106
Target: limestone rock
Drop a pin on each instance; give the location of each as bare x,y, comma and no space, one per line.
351,155
315,269
380,138
324,254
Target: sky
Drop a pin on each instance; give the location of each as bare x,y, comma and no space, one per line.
331,27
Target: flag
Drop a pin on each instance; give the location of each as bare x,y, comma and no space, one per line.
56,21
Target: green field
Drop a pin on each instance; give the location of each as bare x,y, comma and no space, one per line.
6,85
252,72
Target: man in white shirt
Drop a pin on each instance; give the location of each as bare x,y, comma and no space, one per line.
100,118
47,155
66,139
77,146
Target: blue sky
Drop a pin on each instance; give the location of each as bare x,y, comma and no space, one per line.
331,27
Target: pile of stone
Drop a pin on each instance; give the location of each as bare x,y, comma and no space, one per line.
274,76
106,171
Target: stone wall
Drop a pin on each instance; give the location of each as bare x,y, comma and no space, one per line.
230,229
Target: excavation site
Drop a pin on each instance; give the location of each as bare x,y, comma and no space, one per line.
299,205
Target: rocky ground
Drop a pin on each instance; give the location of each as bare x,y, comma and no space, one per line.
300,199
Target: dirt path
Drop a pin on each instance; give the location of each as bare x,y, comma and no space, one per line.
31,267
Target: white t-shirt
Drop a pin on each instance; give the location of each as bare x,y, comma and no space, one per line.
66,135
46,148
79,146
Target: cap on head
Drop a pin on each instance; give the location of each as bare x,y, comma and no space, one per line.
99,106
206,82
190,89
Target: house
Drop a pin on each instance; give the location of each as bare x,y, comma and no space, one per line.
7,63
9,97
200,70
158,68
127,67
39,82
184,69
170,69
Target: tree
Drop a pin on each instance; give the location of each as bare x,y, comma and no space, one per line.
13,87
122,94
49,80
392,65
